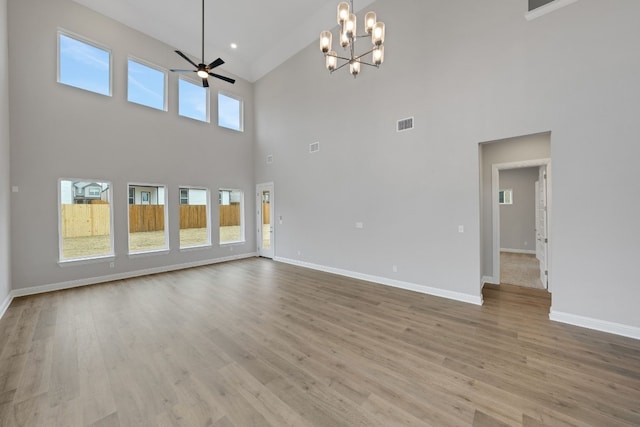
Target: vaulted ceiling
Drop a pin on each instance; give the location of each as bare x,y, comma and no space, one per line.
267,33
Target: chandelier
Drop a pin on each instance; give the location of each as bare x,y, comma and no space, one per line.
348,36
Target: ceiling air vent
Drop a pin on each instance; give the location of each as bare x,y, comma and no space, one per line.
405,124
270,159
314,147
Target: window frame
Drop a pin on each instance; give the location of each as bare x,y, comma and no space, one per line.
507,196
85,259
207,101
164,71
241,112
242,239
91,43
207,191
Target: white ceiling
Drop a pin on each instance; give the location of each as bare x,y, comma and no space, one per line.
267,32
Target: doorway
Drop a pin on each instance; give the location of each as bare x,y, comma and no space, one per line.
512,263
265,220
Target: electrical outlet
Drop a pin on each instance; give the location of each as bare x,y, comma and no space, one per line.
394,268
112,264
461,229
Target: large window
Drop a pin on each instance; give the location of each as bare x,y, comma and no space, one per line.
146,84
231,216
230,112
194,217
193,100
147,218
85,219
83,64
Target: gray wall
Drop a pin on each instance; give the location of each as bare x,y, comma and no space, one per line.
5,271
518,149
469,72
60,131
518,220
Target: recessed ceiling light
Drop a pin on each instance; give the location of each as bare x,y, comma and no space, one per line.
234,46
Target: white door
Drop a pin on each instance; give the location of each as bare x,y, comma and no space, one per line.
541,224
265,219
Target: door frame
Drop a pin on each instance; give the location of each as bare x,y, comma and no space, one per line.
495,210
259,189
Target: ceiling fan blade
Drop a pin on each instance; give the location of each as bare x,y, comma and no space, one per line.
205,83
183,71
186,58
226,79
218,62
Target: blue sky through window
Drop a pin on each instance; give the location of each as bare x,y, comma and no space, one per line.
146,85
229,112
192,100
84,66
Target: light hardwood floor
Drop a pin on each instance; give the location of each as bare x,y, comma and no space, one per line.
258,343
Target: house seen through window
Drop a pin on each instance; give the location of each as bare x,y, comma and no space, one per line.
85,225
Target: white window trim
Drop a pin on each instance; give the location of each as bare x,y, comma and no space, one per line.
88,259
208,101
238,98
242,239
159,251
89,42
155,67
209,221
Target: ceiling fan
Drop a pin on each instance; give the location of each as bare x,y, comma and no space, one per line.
203,70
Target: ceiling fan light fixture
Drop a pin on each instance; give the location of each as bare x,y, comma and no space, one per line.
202,70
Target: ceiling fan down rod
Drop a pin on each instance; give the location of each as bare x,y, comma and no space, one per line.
202,32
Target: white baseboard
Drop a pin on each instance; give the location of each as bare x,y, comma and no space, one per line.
120,276
5,304
489,279
457,296
549,7
596,324
518,251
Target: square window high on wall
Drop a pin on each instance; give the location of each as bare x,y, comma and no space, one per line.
146,84
83,64
193,100
85,220
230,112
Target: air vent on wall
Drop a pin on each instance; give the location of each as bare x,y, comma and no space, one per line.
270,159
405,124
314,147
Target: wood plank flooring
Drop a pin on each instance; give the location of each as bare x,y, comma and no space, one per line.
259,343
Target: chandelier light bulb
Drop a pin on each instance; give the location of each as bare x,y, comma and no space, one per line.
325,41
369,22
344,39
354,67
377,37
378,55
350,26
331,61
343,12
